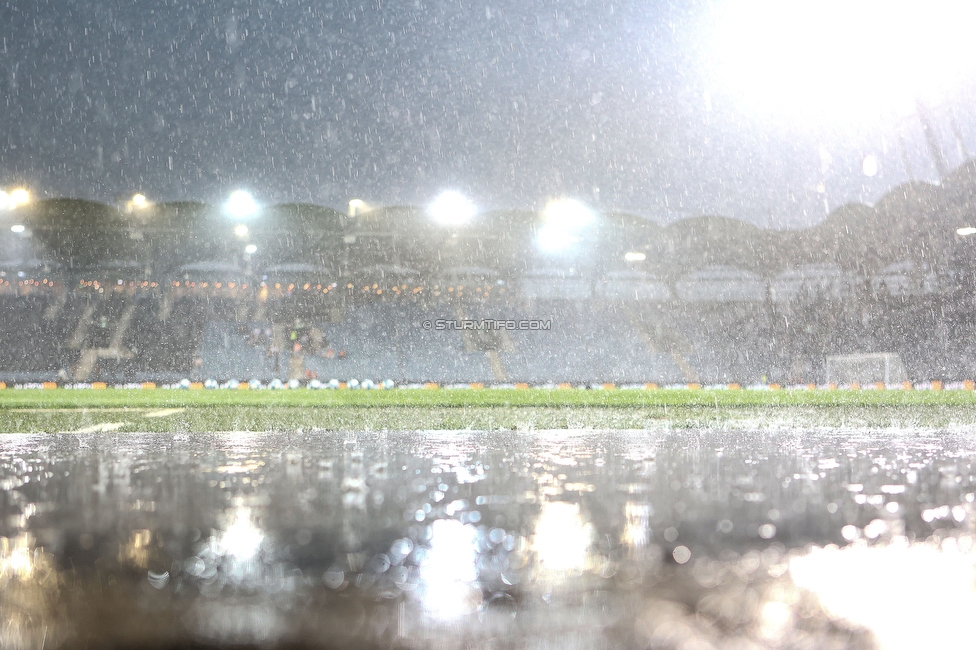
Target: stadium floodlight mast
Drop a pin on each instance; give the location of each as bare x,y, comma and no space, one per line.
837,61
452,208
241,205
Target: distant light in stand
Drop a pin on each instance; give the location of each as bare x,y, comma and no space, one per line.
966,232
241,230
241,205
452,209
635,257
250,248
17,228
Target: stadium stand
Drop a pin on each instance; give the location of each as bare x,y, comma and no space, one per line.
707,300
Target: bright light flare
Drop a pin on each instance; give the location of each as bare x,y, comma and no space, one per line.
563,221
561,540
241,230
16,557
250,249
452,209
637,532
966,232
451,570
19,197
242,539
552,239
908,595
635,257
137,203
241,205
18,228
14,198
568,213
841,59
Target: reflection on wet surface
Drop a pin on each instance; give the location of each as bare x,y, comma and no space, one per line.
487,540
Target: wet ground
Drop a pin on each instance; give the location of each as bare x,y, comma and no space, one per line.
563,539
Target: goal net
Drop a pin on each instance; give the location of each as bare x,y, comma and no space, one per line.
883,367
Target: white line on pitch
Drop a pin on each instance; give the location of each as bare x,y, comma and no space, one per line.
162,413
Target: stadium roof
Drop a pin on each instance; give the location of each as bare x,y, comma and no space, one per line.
914,221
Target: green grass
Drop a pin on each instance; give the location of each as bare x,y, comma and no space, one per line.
28,411
488,397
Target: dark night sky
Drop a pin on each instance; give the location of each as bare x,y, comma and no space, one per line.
511,101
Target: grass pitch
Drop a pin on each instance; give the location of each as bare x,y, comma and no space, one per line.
35,411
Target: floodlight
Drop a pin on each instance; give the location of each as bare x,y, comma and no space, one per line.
452,209
241,230
18,228
568,213
817,59
250,248
17,198
966,232
635,257
241,205
356,206
137,203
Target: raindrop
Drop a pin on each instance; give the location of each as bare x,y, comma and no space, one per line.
681,554
334,578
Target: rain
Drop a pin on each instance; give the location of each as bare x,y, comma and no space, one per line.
453,324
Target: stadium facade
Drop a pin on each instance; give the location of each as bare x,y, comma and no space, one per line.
96,292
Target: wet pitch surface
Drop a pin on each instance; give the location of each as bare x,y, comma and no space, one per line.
563,539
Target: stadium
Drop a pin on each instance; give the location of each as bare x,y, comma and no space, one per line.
170,292
652,326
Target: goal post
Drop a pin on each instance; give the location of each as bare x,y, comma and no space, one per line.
885,367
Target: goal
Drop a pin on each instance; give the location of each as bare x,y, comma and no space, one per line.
885,367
